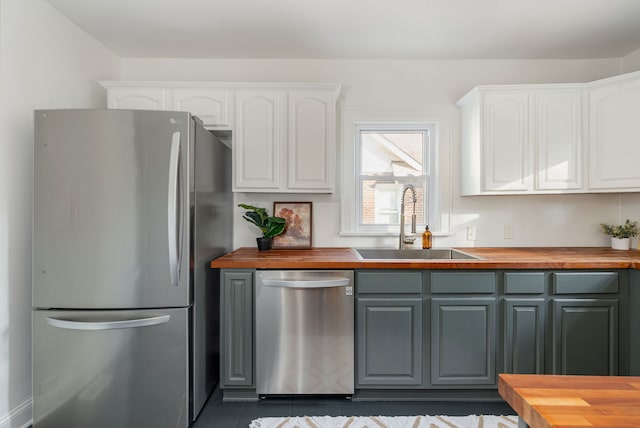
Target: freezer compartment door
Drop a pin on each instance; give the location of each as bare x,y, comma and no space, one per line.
111,209
105,369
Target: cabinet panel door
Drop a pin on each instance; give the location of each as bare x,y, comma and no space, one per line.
463,341
236,324
558,135
212,106
585,337
524,336
389,341
613,135
139,98
507,157
311,140
258,140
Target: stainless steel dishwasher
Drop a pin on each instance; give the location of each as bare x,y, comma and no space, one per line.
304,332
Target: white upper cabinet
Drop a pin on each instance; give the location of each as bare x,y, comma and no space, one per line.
212,103
284,140
520,140
312,145
505,136
259,139
283,134
138,98
563,138
614,141
557,136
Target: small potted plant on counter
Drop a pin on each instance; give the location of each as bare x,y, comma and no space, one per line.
270,226
621,234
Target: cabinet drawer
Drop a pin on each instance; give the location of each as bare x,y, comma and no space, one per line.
524,283
463,282
585,282
396,282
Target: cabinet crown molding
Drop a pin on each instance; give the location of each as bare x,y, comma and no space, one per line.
109,84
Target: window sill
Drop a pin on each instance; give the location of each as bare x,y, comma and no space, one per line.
388,234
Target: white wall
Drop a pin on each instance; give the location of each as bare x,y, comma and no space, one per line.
45,62
414,84
631,62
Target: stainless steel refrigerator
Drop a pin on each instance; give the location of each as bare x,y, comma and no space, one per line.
129,209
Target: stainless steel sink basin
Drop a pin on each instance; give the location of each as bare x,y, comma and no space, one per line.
417,254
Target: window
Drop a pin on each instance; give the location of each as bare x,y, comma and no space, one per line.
390,157
385,150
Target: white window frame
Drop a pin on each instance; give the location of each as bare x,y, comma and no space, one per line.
439,166
428,159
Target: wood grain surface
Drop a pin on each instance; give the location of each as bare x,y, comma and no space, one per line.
491,258
545,401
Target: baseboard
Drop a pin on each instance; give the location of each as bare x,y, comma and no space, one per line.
19,417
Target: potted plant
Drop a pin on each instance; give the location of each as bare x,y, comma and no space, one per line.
621,234
270,226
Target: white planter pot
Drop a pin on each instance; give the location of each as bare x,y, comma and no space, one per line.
620,243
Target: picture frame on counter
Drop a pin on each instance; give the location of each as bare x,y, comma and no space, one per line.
298,227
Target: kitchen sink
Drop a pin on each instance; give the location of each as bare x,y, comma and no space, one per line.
417,254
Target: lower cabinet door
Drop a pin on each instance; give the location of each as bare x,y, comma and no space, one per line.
585,337
236,329
463,341
523,340
389,342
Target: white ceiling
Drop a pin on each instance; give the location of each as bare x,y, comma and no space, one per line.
360,28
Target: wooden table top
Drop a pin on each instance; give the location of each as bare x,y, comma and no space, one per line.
491,258
545,401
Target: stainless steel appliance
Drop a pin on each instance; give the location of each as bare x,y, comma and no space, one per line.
129,208
304,332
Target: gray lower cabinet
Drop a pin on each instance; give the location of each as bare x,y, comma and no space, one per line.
522,328
584,328
389,341
463,329
236,329
584,337
523,335
389,329
463,341
634,322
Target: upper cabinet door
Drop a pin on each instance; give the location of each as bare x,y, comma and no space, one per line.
505,133
258,140
614,146
557,133
213,106
311,148
139,98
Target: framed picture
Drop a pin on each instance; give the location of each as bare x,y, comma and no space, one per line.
297,231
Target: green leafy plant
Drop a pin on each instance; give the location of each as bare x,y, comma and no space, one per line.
627,230
270,226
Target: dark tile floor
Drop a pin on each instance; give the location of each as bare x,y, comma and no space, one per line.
217,414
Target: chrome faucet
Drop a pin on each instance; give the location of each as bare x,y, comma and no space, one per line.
406,239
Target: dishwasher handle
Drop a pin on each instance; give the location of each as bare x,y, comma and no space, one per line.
301,283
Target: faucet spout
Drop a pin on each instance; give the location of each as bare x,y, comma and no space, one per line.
404,239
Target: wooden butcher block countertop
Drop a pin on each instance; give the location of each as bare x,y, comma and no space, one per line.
491,258
548,401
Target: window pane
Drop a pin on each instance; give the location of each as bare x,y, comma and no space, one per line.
392,153
381,202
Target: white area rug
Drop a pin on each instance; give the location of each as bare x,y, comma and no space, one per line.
473,421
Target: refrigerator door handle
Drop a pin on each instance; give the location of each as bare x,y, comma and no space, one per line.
107,325
172,205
